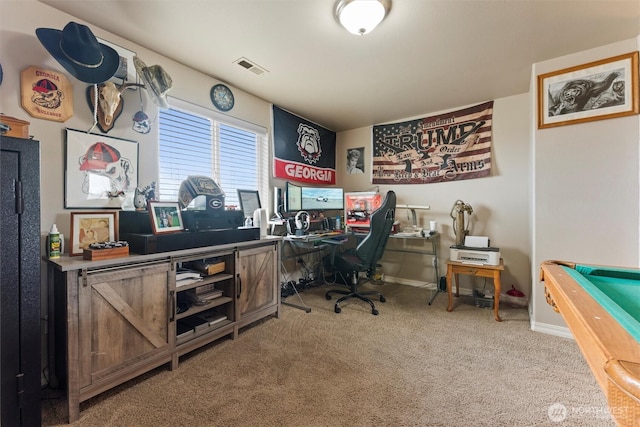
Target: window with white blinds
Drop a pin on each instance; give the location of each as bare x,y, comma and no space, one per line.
197,141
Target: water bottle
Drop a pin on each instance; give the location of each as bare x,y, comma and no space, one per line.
54,242
338,225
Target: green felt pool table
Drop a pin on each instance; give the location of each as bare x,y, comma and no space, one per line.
601,306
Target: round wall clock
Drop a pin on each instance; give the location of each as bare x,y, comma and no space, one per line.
222,97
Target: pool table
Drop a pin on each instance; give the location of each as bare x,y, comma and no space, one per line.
601,306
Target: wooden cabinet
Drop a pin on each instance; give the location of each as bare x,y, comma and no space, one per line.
111,324
116,319
126,322
257,284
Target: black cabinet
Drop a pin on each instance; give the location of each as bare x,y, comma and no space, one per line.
20,287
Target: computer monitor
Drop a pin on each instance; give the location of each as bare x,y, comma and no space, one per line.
322,198
293,197
249,202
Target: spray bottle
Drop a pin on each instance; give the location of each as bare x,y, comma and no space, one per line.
54,242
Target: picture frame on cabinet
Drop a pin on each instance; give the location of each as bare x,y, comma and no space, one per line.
165,217
597,90
99,170
92,227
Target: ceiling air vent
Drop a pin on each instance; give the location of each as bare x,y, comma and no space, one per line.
251,66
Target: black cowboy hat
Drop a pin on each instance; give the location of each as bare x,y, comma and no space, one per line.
78,51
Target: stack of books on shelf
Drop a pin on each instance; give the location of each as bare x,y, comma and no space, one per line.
183,329
193,324
212,317
203,295
187,277
190,325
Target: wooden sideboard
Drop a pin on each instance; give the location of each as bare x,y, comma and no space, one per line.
116,319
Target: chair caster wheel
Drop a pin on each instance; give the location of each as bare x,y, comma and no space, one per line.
327,296
374,312
337,309
382,299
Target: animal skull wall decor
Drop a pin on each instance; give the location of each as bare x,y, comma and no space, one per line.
110,102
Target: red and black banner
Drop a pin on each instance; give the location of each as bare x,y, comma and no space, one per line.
449,147
302,150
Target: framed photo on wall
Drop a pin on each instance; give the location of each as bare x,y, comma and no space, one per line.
126,70
92,227
165,217
355,161
99,169
598,90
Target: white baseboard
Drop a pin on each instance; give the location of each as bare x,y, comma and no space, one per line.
545,328
409,282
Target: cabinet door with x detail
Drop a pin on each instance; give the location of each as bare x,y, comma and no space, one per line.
123,320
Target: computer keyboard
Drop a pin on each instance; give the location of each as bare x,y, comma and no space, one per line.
325,233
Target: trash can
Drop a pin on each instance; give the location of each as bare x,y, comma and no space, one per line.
378,276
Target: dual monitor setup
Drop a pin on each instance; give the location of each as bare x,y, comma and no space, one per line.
303,198
295,198
321,204
306,208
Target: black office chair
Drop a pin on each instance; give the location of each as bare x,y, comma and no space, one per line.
364,257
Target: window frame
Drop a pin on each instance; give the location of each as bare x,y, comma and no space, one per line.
216,118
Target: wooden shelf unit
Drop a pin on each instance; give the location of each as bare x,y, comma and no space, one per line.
115,319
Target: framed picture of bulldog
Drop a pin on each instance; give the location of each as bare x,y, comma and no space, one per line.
598,90
99,170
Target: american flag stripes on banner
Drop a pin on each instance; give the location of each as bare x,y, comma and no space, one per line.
448,147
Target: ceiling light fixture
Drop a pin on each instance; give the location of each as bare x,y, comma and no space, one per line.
361,16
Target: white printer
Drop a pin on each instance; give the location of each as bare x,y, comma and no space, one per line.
476,250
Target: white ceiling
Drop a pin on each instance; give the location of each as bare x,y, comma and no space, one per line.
427,56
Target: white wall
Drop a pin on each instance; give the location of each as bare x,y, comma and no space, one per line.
586,188
501,202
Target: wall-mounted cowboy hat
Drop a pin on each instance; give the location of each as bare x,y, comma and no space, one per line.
78,51
156,81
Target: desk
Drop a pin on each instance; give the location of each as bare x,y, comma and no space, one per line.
316,243
491,271
601,306
433,239
301,246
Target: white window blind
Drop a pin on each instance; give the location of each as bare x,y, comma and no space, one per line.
197,141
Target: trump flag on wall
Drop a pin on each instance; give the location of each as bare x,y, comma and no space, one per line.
449,147
302,150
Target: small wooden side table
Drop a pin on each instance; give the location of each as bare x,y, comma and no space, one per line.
491,271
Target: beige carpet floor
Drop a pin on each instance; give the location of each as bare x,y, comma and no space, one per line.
412,365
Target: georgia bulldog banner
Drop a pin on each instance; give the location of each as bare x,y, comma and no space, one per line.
302,150
449,147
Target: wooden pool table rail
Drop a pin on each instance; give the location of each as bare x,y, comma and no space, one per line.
611,352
